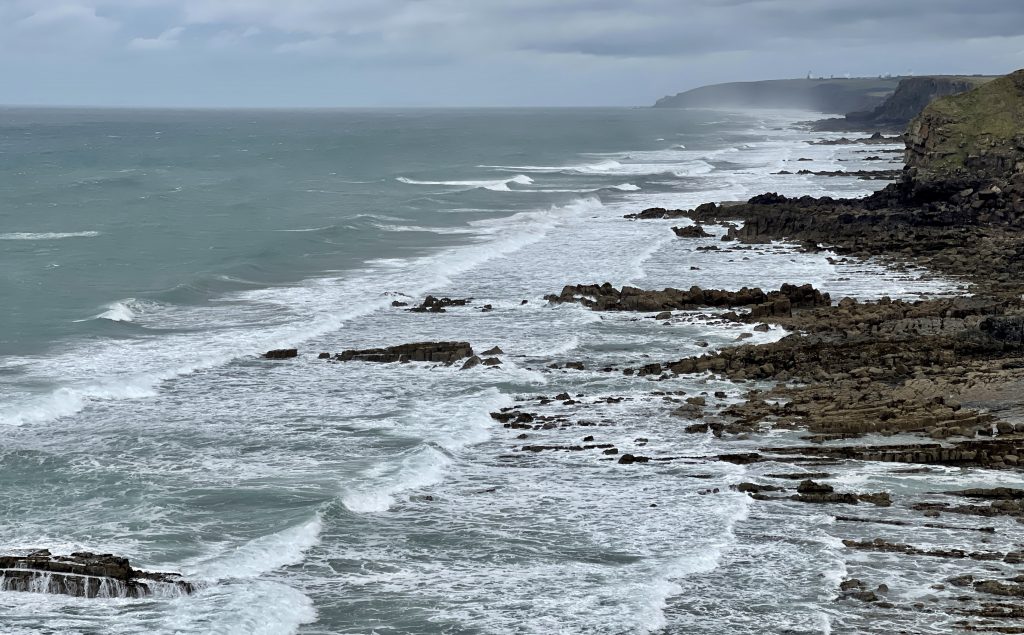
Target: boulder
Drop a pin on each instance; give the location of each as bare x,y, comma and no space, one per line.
691,231
281,353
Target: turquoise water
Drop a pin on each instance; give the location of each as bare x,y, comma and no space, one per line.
147,258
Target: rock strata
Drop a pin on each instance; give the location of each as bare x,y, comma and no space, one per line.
86,575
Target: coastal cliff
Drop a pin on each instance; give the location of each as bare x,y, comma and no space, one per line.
976,135
911,97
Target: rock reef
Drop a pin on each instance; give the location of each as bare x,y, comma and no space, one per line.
86,575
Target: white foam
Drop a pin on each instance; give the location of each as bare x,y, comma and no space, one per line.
494,186
261,555
423,468
673,164
431,230
141,366
66,401
255,608
124,310
47,235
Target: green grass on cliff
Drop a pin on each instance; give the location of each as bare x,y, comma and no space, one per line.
989,117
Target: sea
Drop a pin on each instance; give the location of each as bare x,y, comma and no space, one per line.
148,258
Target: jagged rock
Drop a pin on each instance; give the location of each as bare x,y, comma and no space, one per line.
607,298
692,231
472,362
493,351
688,411
999,588
88,575
851,585
442,352
757,489
438,305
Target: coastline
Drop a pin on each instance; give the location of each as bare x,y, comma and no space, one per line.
919,388
666,538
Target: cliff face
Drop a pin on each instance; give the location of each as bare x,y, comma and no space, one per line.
977,135
911,97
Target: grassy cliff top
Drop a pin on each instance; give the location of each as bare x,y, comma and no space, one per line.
985,121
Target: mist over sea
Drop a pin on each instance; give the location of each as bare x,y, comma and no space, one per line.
147,259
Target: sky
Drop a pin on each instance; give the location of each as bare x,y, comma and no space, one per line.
368,53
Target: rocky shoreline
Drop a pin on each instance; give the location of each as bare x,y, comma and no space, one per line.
932,384
920,385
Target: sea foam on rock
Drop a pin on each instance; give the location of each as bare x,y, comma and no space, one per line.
88,575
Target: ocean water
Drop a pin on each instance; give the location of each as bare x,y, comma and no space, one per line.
147,258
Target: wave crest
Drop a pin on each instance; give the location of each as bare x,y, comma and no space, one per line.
494,186
47,235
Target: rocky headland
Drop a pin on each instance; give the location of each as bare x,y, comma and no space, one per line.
911,96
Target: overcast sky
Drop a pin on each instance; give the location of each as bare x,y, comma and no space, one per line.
475,52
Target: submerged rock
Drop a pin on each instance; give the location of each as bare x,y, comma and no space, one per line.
281,353
88,575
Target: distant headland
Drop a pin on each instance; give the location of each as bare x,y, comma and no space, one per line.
884,103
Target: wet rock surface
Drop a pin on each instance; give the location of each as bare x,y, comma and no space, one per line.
441,352
431,304
87,575
281,353
692,231
605,297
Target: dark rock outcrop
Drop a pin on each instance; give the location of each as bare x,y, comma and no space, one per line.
912,95
437,305
691,231
442,352
87,575
605,297
281,353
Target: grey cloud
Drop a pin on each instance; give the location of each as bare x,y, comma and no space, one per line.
547,46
